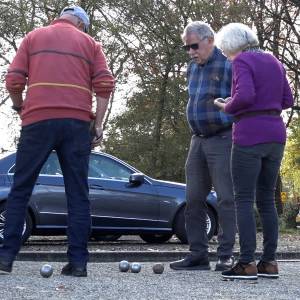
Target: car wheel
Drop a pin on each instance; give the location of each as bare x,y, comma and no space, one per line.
105,237
156,238
26,228
211,223
179,225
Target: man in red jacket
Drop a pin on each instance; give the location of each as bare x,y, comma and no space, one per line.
63,68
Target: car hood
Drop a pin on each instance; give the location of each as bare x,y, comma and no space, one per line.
171,184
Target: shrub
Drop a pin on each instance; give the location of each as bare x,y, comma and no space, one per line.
288,217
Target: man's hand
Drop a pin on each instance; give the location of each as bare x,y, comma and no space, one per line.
102,104
98,136
17,100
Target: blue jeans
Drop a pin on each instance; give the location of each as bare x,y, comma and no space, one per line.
254,173
207,165
71,140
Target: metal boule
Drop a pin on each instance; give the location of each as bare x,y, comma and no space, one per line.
124,266
158,268
135,267
46,271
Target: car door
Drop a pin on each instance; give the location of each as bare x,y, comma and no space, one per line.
48,198
116,204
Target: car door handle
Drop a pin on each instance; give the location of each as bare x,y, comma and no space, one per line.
96,187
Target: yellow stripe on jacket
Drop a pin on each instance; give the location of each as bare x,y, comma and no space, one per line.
54,84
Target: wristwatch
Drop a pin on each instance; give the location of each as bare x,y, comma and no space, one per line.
17,108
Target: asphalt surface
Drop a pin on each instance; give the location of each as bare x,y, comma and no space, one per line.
104,281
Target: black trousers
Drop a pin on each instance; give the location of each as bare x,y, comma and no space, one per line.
72,142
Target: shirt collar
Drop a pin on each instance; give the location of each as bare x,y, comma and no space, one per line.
62,21
214,54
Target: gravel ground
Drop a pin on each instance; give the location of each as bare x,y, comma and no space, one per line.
287,243
106,282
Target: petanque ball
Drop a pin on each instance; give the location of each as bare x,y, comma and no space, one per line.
46,271
135,267
158,268
124,266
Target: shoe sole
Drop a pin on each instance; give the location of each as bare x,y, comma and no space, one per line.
272,276
5,270
239,277
75,275
195,268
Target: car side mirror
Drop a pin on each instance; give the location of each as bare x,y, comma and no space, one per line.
136,179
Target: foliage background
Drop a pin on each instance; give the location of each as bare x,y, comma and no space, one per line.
146,124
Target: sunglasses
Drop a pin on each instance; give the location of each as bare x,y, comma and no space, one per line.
192,46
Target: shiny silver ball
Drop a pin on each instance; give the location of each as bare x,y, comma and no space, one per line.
158,268
135,267
124,266
46,271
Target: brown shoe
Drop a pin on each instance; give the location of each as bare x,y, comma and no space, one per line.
241,271
267,269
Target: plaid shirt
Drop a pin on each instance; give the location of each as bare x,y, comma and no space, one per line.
205,83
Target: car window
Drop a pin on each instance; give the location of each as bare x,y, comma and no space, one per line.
105,167
12,170
51,166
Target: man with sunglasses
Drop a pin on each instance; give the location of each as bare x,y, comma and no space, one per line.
63,68
208,161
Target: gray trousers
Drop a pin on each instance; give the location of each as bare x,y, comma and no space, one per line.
254,173
207,165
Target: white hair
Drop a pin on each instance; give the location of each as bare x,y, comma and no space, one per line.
236,37
203,30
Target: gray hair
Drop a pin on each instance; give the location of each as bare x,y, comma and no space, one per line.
236,37
203,30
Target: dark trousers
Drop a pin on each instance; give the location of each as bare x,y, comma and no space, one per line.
254,173
71,140
207,165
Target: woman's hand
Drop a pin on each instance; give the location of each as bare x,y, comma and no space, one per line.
220,103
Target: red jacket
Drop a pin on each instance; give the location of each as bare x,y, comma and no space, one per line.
62,68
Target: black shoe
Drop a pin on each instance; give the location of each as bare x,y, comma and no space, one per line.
70,270
191,262
241,271
224,264
5,267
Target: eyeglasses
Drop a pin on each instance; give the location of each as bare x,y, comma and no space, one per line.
192,46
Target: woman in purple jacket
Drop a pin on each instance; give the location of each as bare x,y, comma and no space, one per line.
260,91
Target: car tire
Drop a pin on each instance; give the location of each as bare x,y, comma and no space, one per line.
26,229
179,225
105,237
156,238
